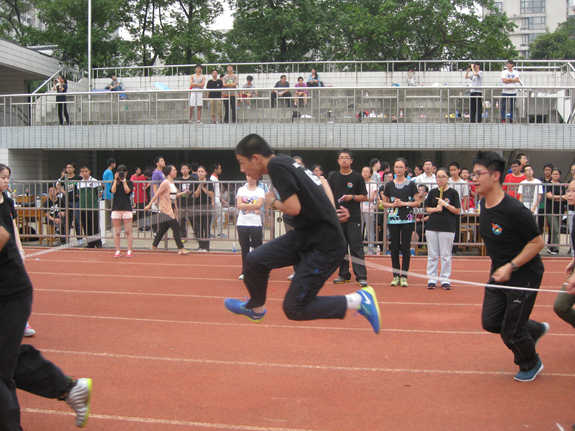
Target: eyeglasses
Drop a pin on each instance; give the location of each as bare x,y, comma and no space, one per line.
344,158
441,177
479,173
569,191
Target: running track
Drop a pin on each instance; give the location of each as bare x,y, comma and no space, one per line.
165,355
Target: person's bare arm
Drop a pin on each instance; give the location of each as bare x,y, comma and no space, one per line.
4,237
531,249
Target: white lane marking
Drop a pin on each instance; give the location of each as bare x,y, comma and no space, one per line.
164,421
293,366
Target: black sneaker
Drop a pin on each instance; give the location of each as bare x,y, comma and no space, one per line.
446,286
431,285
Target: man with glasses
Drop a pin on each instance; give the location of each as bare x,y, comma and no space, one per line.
513,242
349,189
427,177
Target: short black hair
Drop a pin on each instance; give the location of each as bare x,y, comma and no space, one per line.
249,78
424,186
253,144
518,157
71,163
157,159
283,76
384,166
122,168
215,166
511,62
454,164
548,165
527,166
297,158
492,161
345,151
194,166
556,168
184,164
167,170
110,162
428,160
147,172
85,166
300,77
420,167
373,161
515,162
215,70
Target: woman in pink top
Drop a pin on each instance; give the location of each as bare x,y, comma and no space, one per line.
168,209
300,93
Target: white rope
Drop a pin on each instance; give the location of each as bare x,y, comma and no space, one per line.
73,243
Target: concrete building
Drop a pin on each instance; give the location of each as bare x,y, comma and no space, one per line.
532,18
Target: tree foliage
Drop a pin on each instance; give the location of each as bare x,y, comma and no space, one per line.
558,45
12,22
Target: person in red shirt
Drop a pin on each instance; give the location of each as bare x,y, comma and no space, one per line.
472,195
514,177
140,196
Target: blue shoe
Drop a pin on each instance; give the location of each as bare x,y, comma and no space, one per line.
545,330
527,376
369,307
238,307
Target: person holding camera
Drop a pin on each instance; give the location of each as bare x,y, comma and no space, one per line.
476,94
61,87
122,189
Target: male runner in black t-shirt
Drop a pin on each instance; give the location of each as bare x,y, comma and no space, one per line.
21,365
316,244
349,189
513,242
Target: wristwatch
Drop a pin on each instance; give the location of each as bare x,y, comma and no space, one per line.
513,266
352,197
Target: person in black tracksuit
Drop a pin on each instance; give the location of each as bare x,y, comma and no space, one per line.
513,242
349,189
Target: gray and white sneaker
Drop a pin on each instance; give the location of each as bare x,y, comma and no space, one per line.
79,399
291,276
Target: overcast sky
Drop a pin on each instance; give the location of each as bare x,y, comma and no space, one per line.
225,20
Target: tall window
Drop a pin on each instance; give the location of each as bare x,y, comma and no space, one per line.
498,6
532,6
528,38
534,23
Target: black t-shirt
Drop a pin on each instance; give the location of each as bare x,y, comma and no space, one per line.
8,213
351,184
186,186
203,202
406,191
215,84
72,187
14,281
506,229
317,226
121,200
552,206
445,220
53,207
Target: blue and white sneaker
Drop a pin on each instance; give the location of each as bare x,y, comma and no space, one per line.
238,307
528,376
369,307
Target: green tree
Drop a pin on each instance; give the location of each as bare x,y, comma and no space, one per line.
66,25
558,45
12,18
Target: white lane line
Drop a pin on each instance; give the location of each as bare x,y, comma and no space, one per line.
293,366
164,421
322,328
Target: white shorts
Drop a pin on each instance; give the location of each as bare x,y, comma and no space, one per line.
122,215
196,98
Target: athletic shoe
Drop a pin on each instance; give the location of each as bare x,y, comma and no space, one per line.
369,307
528,376
81,241
545,331
79,400
129,254
412,252
446,286
395,281
552,250
341,280
238,307
29,332
291,276
118,254
241,277
431,285
403,282
362,283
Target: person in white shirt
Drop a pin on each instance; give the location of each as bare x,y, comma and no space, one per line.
427,177
476,93
217,201
530,190
368,207
510,81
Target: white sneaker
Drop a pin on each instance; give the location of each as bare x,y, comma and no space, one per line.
79,399
291,276
81,241
29,332
241,277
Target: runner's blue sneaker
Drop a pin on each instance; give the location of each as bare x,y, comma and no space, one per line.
238,307
527,376
369,307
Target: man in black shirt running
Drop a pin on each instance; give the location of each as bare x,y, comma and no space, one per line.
316,245
349,189
513,242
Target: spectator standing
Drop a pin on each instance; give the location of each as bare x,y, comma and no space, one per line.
141,196
368,207
122,209
61,87
349,187
108,178
137,173
510,82
216,223
427,177
203,193
70,181
302,94
197,83
546,178
89,192
444,205
530,191
250,199
317,171
186,188
400,195
314,79
554,206
417,170
476,94
375,166
282,83
194,171
166,197
515,177
461,187
215,105
523,161
157,179
471,188
230,81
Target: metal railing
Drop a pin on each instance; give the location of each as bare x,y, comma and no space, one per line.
78,222
442,104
